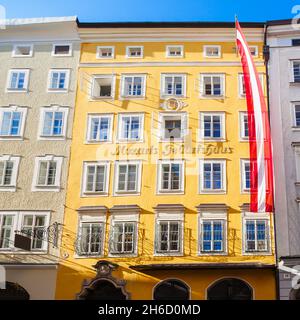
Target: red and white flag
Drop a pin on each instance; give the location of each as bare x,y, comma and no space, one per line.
261,163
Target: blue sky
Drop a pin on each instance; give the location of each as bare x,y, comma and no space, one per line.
153,10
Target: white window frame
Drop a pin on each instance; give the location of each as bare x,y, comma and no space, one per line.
181,178
26,80
86,193
291,66
23,111
293,116
166,216
212,215
223,164
62,55
53,188
163,94
134,57
124,217
206,47
112,48
67,81
202,88
243,162
12,187
17,225
138,181
43,110
242,114
113,85
90,117
15,55
184,125
89,217
256,216
169,47
222,122
123,96
141,128
240,84
296,151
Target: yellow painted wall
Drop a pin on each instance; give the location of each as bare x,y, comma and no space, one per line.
73,270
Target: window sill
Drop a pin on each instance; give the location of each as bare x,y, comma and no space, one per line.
129,141
126,193
122,255
94,194
77,256
207,97
257,253
126,98
45,189
57,90
212,192
294,83
168,96
213,140
169,192
8,188
98,141
168,254
60,137
212,253
9,90
94,98
11,138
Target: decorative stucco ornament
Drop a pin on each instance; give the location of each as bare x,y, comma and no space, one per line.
173,104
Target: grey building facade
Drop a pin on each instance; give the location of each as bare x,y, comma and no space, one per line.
38,80
283,40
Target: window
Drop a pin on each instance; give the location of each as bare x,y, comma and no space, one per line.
47,173
133,86
105,52
123,237
212,51
22,50
212,85
242,88
212,236
53,122
212,176
212,126
134,52
254,51
103,87
174,51
33,224
295,42
99,128
8,172
12,121
256,233
90,240
296,71
170,176
296,115
168,237
58,80
130,127
18,80
95,177
62,50
173,126
244,129
173,85
7,222
245,174
128,176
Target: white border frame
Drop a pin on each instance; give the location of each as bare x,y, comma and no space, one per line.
90,194
134,57
223,163
67,81
14,55
184,122
90,116
14,108
169,46
205,47
105,47
141,116
113,87
137,192
14,177
70,54
163,95
122,95
222,76
244,190
159,164
222,116
53,108
26,80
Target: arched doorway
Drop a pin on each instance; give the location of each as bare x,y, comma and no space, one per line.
13,291
171,289
103,290
230,289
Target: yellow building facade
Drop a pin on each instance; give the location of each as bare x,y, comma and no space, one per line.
158,192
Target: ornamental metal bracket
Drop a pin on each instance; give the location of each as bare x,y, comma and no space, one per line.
49,234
